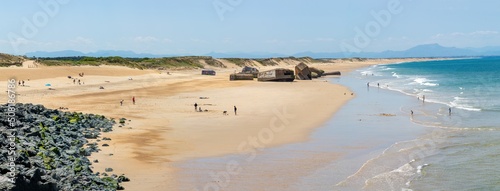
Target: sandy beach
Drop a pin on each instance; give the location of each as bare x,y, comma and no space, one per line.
162,126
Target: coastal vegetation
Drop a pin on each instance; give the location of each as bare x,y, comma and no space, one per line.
185,62
7,60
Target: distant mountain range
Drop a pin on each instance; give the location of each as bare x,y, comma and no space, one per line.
427,50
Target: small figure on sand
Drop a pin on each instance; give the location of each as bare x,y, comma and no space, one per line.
200,110
411,112
423,98
121,103
235,110
133,99
449,111
74,81
378,85
368,84
23,82
195,106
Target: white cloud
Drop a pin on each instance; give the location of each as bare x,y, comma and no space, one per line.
145,39
150,39
82,40
303,41
314,40
478,38
461,34
484,33
23,41
166,40
195,40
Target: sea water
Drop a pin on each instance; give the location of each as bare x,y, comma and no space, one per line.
462,149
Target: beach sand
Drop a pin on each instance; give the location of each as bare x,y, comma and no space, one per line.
163,127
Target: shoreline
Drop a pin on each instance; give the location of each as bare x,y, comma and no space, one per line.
166,129
332,150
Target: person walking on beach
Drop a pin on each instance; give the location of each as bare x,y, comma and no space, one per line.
411,112
235,109
449,111
423,98
133,99
121,103
195,106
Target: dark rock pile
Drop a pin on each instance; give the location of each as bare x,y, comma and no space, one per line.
48,149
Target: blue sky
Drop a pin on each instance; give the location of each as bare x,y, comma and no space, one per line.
198,27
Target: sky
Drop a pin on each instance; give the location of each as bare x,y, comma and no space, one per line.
198,27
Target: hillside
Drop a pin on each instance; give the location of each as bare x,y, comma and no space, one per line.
9,60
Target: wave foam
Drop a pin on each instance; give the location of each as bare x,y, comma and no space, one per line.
425,82
396,75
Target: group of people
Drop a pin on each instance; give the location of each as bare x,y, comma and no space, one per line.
423,101
198,109
368,85
21,82
133,101
76,80
79,81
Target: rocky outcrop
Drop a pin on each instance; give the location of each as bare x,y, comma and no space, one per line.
48,149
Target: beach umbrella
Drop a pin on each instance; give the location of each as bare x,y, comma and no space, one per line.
48,85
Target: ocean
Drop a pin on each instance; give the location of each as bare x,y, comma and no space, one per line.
461,149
